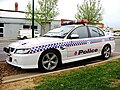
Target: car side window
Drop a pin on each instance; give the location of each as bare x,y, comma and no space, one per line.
95,32
82,32
101,33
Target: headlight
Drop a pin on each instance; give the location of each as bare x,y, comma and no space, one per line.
22,51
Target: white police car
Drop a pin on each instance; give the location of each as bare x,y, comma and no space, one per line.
66,44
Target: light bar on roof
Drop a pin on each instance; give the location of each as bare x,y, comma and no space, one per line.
75,22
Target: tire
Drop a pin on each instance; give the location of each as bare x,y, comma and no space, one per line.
49,61
24,37
106,52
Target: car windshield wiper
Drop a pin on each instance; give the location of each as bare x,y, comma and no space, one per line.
58,36
46,36
53,36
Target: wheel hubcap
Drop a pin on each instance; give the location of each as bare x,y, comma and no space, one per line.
50,61
107,52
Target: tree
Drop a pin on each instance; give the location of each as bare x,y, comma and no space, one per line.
45,12
91,10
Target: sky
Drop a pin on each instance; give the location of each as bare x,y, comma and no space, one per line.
68,9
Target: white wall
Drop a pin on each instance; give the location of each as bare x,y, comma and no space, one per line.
11,30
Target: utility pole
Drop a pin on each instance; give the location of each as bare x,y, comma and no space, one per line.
32,18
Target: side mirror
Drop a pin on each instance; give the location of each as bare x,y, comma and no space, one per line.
74,36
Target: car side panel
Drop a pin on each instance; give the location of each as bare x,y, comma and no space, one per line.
94,43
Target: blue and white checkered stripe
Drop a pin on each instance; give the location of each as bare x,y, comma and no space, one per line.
56,45
45,47
76,43
62,44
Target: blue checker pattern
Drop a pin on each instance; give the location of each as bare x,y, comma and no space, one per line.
45,47
56,45
62,44
76,43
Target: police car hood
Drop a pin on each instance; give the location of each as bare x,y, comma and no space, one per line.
28,43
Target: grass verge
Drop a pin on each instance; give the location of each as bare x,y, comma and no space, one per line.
102,77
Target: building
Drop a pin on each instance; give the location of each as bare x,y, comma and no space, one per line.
9,26
13,20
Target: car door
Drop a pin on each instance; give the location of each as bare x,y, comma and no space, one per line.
79,43
97,39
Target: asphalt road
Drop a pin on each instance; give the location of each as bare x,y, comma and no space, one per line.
117,48
6,42
2,54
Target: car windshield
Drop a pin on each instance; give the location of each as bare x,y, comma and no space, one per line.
59,32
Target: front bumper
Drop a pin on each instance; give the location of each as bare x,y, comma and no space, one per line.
25,61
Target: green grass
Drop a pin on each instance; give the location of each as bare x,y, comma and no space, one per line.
102,77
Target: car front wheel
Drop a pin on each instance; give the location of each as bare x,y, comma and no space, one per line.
49,61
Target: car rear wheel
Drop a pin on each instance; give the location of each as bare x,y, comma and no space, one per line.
106,52
49,61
